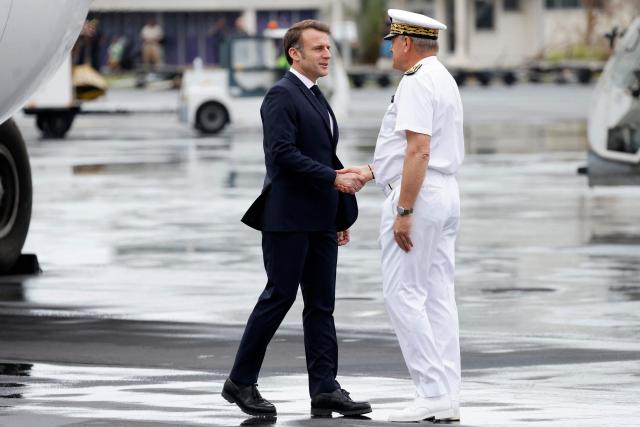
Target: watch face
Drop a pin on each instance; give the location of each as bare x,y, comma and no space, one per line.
402,211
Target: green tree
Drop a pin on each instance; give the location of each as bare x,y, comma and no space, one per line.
371,24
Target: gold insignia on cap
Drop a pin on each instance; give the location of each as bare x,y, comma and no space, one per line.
413,30
413,69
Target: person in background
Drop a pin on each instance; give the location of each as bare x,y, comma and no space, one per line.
87,48
151,35
115,53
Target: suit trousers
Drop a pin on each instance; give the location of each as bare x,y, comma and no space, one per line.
293,259
418,286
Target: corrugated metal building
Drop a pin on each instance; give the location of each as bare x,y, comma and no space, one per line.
194,28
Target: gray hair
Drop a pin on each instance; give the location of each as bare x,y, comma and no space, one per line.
425,45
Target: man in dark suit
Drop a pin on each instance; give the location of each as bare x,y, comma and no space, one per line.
304,213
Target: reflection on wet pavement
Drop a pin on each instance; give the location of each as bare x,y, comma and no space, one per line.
11,290
15,369
516,290
545,396
12,389
632,293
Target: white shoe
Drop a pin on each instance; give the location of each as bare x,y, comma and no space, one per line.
423,408
455,409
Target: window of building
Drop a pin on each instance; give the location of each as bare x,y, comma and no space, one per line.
511,5
484,14
563,4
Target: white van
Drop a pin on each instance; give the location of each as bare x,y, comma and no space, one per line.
212,98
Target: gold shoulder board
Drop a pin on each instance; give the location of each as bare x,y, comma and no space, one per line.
413,69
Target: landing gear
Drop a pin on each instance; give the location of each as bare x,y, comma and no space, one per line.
15,194
55,124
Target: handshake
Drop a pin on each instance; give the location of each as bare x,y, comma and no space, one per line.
352,179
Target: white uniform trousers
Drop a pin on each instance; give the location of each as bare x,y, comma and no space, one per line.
418,286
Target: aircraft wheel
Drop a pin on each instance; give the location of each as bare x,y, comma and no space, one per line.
384,80
460,77
584,75
211,117
54,125
15,194
509,78
358,80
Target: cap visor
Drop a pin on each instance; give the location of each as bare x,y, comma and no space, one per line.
389,36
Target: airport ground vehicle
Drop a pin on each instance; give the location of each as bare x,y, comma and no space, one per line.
212,98
614,117
35,37
54,105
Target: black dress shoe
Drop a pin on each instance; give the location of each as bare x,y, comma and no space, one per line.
248,399
323,404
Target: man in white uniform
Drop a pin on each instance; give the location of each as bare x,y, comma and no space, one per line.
418,152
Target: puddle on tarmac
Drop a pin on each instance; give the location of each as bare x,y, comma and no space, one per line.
12,389
15,369
516,290
616,238
125,167
510,138
11,290
631,293
504,138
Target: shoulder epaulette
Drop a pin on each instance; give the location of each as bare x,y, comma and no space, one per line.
413,69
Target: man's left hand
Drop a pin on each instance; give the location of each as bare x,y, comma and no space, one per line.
343,237
402,232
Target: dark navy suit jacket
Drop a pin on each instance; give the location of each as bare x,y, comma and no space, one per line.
300,156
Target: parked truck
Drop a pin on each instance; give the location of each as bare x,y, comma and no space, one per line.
212,98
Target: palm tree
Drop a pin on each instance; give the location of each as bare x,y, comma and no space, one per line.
371,24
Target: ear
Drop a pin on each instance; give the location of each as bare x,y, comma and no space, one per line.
294,54
408,41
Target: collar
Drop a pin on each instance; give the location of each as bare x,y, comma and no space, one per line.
426,59
420,63
304,79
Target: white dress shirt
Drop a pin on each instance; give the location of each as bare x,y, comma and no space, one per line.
308,83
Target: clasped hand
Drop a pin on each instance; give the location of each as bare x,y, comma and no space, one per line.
352,179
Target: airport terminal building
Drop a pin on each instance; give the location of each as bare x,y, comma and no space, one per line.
196,28
487,32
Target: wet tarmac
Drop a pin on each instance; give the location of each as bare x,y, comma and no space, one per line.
60,395
149,275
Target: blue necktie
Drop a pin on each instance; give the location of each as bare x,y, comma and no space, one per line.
318,93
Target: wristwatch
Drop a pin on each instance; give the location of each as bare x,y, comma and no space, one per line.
404,211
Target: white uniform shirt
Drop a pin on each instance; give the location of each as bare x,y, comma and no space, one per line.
426,102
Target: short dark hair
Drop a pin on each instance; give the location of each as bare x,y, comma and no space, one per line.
292,36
